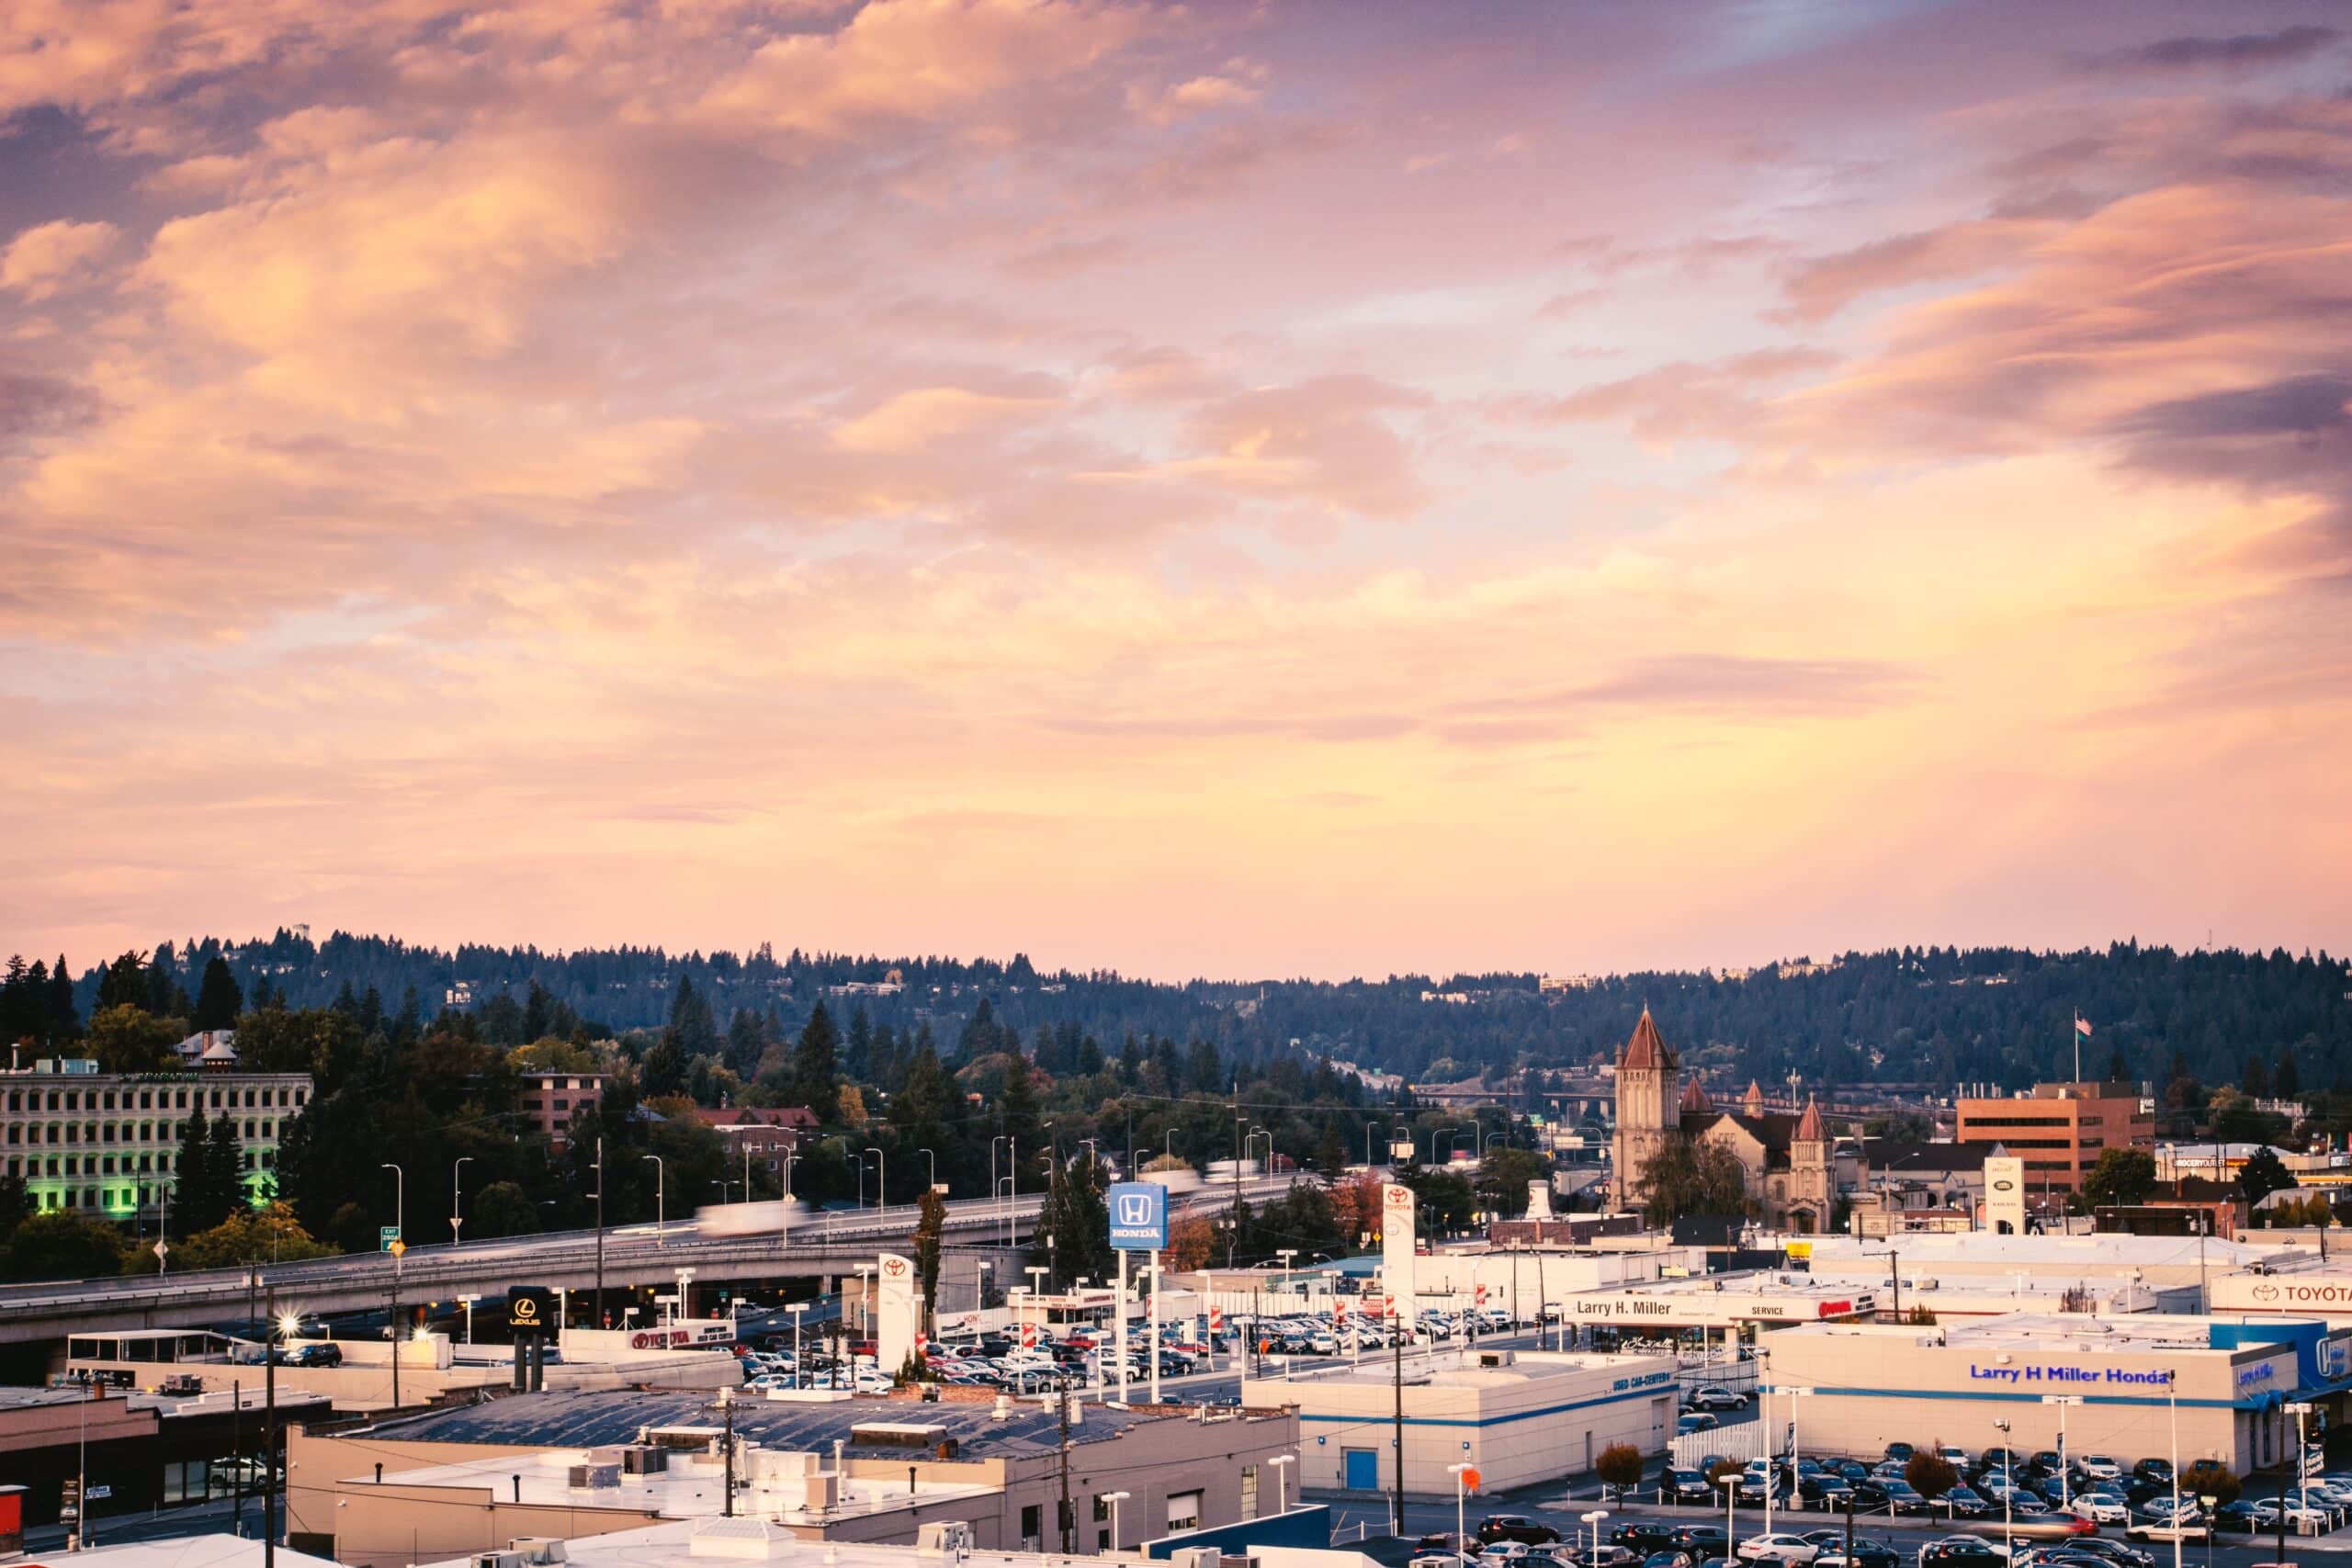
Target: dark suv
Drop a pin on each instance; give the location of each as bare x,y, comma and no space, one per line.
1515,1527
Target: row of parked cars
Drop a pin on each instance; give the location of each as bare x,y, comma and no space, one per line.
1663,1543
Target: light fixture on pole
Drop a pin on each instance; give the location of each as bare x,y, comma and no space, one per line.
1465,1476
661,1198
2009,1488
1282,1462
2066,1502
1118,1542
457,1174
1594,1518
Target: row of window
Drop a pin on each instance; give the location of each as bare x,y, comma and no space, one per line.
106,1165
129,1133
109,1197
267,1097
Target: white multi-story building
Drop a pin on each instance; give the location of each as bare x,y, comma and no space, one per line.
104,1143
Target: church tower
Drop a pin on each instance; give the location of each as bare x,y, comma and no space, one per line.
1648,1106
1810,1183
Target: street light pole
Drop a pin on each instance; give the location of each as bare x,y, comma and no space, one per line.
399,1239
881,1181
1118,1542
598,1320
457,1173
1281,1463
661,1198
1460,1490
2066,1500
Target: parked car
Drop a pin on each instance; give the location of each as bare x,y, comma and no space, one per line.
1643,1536
1899,1452
1703,1541
1867,1553
2100,1467
2155,1470
1792,1549
1715,1397
1515,1527
1495,1552
2101,1509
1697,1422
1962,1552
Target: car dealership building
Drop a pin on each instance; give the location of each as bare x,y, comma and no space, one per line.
2114,1384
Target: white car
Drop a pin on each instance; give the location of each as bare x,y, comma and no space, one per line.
1504,1551
872,1383
2100,1467
1779,1549
2100,1508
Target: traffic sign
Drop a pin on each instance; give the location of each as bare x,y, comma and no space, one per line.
100,1494
397,1248
386,1237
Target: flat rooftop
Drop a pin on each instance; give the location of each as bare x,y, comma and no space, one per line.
1923,1254
1459,1369
588,1418
2140,1333
693,1486
670,1544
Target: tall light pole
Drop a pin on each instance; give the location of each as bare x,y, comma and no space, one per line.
931,1170
1461,1473
457,1173
1281,1463
400,1240
661,1198
2066,1502
1118,1541
2009,1487
881,1181
598,1320
1794,1395
1594,1518
2172,1411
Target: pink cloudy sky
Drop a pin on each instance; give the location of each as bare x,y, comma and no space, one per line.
1229,489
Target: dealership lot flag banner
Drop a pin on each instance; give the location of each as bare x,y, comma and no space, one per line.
894,1335
1396,1250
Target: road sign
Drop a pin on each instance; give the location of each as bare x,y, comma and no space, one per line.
1138,1216
397,1248
100,1494
387,1237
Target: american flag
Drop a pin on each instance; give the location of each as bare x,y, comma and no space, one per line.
2082,1025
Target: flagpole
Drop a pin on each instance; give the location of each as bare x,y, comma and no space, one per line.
2078,1047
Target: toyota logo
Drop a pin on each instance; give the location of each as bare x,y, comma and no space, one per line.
1400,1197
894,1266
1135,1208
2265,1293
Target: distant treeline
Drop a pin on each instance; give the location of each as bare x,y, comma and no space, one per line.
1940,1016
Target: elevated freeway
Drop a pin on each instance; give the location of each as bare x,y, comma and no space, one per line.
822,1247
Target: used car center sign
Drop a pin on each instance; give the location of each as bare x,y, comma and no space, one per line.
1720,1306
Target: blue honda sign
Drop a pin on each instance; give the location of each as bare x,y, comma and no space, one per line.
1139,1216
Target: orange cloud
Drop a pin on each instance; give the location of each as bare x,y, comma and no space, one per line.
49,258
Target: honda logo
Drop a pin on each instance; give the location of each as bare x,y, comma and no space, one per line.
1135,1208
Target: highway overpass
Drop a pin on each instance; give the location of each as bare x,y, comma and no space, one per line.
822,1247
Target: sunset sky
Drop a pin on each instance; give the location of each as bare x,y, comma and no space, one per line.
1224,488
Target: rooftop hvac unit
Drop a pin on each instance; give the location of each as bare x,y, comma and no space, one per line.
824,1490
945,1537
1496,1358
1197,1557
539,1550
1244,1561
588,1477
645,1461
1926,1284
498,1559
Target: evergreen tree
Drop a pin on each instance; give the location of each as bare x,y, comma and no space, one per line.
857,1058
813,1065
747,1041
663,1071
931,1226
65,1020
693,1028
217,1000
123,985
196,1203
1017,1116
225,1166
2288,1077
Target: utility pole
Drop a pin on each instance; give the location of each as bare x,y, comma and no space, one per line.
269,1437
1396,1487
1069,1520
727,1409
598,1320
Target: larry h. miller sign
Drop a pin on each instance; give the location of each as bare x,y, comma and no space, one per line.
1138,1216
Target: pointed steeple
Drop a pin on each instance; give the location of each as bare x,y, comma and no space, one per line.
1752,1102
1644,1050
1694,1100
1809,1127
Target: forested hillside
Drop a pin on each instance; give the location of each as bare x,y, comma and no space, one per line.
1937,1016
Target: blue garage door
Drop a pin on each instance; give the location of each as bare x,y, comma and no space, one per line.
1363,1469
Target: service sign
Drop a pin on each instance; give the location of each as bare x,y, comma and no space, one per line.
1697,1308
1138,1216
